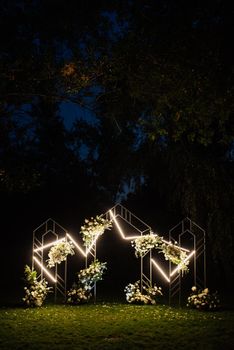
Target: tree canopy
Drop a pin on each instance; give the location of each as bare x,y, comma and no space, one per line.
158,78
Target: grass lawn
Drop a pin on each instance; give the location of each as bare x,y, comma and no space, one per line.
115,326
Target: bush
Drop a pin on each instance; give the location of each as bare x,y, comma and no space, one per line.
203,300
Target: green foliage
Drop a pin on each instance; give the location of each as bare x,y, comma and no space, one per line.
30,274
115,326
159,79
36,291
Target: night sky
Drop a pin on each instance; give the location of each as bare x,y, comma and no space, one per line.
70,112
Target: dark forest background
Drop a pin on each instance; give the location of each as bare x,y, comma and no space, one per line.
150,84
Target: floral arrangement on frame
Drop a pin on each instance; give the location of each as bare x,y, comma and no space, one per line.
94,227
172,252
81,291
59,252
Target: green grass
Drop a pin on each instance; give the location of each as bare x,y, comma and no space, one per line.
115,326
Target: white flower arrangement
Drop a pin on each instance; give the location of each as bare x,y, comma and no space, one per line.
36,291
92,274
171,251
59,252
81,292
78,295
93,227
143,244
203,300
134,295
174,254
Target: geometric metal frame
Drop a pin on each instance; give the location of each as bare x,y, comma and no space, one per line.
49,228
189,228
185,227
119,211
146,260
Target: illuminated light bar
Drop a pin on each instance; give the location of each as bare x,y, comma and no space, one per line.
76,245
79,248
177,269
48,245
160,270
120,230
92,244
179,266
134,237
45,270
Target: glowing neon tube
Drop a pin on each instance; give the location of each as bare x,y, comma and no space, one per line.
45,270
179,266
76,245
92,244
48,245
161,270
120,229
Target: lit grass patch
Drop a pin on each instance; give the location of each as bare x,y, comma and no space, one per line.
115,326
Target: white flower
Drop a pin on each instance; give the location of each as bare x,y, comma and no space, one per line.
202,299
94,227
59,252
36,291
134,295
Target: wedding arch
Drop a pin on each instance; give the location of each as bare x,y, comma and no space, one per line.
146,242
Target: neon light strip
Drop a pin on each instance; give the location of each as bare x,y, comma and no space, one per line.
76,245
134,237
120,230
45,270
95,240
160,270
175,270
79,248
74,242
48,245
92,244
179,266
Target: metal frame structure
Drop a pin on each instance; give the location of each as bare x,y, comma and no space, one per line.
197,237
40,235
91,254
119,213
